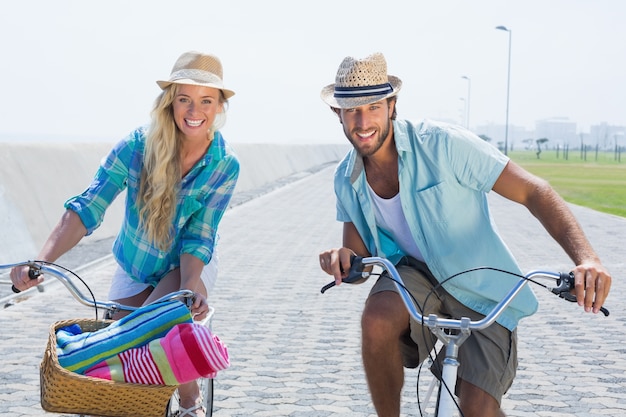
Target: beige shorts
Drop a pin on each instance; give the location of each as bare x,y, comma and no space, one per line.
488,358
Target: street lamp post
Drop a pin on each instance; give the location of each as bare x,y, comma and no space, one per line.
464,110
508,87
469,89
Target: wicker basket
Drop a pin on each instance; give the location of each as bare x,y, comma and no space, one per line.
63,391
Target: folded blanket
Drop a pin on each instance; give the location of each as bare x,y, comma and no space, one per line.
185,353
78,352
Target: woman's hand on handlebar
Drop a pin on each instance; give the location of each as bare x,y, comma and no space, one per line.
592,283
336,262
22,278
200,307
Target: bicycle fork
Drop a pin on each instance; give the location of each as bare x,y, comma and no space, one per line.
447,404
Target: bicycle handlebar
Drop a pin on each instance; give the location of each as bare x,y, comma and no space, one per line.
39,267
564,281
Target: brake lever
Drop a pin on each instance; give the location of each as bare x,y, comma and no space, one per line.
190,300
565,284
355,274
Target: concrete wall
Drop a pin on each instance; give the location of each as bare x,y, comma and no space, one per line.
36,179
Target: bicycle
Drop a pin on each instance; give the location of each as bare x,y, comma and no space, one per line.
150,399
453,332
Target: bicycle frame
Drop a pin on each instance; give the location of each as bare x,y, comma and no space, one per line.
462,327
447,404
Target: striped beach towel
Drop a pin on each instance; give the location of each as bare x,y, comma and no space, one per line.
185,353
78,351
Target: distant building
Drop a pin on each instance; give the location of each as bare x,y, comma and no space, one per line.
496,133
559,131
606,137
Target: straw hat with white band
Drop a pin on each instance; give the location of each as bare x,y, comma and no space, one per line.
195,68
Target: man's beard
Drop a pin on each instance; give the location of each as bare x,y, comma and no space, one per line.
382,135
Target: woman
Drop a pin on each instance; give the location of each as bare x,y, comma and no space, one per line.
179,175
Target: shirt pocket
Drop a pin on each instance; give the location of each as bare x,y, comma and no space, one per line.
189,206
433,204
450,217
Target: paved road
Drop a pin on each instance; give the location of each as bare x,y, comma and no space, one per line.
295,352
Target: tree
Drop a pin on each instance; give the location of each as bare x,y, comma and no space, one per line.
485,138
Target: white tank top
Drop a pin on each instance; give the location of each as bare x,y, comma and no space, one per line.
390,218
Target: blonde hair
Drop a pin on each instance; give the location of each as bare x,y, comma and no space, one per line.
161,173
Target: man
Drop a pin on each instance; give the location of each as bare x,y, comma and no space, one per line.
415,193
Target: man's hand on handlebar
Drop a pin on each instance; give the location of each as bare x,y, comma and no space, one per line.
344,265
337,262
592,283
25,277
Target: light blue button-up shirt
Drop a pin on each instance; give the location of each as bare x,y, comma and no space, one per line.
204,195
445,173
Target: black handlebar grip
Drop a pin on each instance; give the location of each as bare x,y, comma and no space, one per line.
33,273
356,270
565,284
567,278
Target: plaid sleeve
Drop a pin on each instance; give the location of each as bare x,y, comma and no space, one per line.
110,180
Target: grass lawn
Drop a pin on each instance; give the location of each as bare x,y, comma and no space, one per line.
599,182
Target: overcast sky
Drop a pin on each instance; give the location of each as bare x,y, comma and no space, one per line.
87,69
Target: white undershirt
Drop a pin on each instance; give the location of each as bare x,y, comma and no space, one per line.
390,218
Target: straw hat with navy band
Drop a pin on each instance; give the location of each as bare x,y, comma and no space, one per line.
195,68
360,82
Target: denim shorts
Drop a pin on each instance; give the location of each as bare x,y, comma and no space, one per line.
488,358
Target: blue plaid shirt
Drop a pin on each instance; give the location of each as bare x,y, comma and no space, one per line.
204,196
